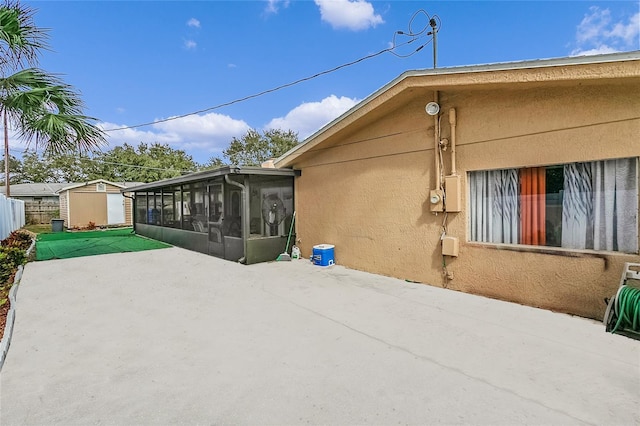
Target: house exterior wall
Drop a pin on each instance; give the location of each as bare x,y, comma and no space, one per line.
366,187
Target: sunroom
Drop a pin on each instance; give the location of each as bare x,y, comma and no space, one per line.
241,214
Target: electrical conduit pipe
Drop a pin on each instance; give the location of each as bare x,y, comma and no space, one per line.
436,145
452,123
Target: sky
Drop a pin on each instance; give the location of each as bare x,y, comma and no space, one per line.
143,62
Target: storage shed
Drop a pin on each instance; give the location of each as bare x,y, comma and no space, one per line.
236,213
98,202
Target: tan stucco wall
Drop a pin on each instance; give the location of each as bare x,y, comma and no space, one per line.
365,188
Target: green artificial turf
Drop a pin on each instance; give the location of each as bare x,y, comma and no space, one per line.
63,245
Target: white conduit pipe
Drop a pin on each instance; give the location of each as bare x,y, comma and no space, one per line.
452,123
436,137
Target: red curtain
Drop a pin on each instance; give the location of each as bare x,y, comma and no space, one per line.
532,206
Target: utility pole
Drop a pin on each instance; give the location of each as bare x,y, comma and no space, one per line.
434,32
7,191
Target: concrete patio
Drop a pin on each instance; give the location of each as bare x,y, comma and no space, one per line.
172,336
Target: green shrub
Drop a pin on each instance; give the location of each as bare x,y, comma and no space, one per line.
17,239
13,254
9,261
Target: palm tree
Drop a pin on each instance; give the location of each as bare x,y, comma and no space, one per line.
38,105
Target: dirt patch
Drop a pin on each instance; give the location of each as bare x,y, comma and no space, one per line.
4,311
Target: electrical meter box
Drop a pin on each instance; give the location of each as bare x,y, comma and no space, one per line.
453,191
436,199
450,246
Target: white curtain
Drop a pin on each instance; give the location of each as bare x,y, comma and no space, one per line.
494,206
600,205
615,205
577,206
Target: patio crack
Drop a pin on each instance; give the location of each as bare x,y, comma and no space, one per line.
426,358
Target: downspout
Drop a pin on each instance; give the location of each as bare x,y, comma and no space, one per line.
245,204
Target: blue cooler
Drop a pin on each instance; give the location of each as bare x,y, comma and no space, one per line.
323,255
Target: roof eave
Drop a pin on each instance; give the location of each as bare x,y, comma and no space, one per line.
210,174
79,185
288,158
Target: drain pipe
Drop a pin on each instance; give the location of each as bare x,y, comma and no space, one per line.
133,210
245,203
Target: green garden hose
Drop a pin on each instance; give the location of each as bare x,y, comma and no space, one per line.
627,307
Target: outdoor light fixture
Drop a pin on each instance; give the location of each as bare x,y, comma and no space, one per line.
432,108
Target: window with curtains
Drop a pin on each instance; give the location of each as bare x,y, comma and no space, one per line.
590,205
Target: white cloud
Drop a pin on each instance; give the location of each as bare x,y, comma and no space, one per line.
207,132
193,22
273,6
121,110
190,44
601,50
354,15
232,66
308,117
597,33
206,135
17,144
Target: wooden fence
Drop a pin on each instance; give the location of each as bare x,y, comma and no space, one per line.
41,211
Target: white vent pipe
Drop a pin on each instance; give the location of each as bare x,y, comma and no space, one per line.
452,123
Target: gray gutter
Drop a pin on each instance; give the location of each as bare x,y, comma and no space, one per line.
210,174
503,66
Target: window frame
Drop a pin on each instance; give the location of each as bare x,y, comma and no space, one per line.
634,176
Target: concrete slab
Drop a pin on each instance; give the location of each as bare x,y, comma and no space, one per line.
173,336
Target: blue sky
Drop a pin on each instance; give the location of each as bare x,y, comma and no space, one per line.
137,62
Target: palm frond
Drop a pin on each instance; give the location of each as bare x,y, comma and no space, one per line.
32,78
57,133
20,39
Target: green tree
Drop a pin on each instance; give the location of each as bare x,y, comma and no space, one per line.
213,163
15,170
66,167
70,167
35,169
39,106
253,148
144,163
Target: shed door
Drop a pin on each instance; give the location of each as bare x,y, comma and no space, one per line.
115,209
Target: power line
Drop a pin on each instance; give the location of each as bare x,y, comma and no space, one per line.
96,160
413,35
246,98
